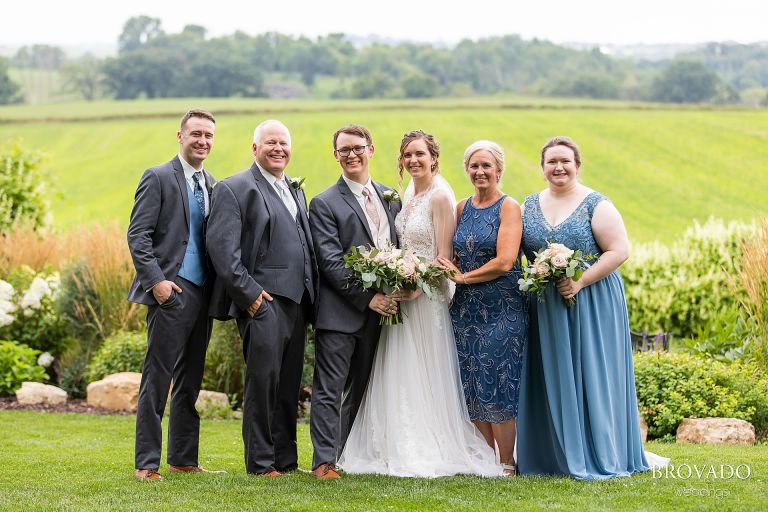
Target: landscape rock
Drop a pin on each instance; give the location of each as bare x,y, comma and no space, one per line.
117,392
211,399
34,393
715,431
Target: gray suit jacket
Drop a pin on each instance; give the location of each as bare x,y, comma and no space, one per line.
247,251
158,232
338,223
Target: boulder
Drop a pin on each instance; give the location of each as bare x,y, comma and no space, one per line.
211,399
34,393
117,392
643,429
715,431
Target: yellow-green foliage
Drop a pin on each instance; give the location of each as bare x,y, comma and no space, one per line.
662,168
121,352
682,287
673,386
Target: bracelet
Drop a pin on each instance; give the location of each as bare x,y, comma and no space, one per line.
464,279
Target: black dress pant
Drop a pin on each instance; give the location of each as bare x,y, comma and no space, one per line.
273,347
343,365
178,332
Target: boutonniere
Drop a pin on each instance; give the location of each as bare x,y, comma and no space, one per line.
298,182
391,195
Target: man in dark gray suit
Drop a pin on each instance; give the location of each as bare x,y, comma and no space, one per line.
166,239
352,212
261,246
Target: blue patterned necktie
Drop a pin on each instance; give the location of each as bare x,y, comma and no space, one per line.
197,176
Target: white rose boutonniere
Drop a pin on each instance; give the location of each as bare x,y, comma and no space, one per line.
298,182
392,196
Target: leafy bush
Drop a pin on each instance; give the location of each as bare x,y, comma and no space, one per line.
224,366
18,363
682,288
121,352
23,194
28,312
674,386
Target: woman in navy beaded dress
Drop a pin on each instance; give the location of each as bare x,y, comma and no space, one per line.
489,315
578,407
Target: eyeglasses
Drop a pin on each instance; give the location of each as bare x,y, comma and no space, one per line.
359,150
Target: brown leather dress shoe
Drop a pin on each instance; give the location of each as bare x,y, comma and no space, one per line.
326,472
271,474
147,475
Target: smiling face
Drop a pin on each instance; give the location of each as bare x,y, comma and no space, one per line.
354,166
559,166
273,149
483,170
196,140
417,160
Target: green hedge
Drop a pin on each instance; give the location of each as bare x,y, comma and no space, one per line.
683,288
674,386
18,363
121,352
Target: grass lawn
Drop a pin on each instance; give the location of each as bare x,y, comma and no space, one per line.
81,462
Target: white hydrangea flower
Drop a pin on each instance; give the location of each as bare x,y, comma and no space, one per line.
45,360
6,291
5,317
38,290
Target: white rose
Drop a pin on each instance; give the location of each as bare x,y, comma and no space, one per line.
541,268
559,261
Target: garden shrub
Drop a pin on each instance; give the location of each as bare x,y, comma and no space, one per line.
18,363
23,195
28,312
674,386
224,366
122,352
681,288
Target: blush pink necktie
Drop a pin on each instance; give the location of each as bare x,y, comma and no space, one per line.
370,209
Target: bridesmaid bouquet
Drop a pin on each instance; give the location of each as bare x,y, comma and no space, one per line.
390,270
551,265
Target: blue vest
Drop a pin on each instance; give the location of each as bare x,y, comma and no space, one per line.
193,267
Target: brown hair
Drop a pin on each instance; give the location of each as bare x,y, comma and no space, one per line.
353,129
432,145
196,112
562,140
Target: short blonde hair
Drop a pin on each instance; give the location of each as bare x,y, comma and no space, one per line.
488,145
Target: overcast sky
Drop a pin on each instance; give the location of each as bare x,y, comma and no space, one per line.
78,22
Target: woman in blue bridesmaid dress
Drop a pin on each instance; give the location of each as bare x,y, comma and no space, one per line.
578,408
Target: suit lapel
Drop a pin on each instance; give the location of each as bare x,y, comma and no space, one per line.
267,192
301,201
390,215
351,200
182,182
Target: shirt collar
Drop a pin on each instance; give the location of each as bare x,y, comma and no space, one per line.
357,188
188,169
271,179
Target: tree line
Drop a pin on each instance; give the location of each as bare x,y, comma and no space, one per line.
154,64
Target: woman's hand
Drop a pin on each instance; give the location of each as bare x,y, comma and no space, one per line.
448,264
568,288
406,294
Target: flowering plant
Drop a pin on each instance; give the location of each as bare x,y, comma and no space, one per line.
552,264
391,269
297,182
391,196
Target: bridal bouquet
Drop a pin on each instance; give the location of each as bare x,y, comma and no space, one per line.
555,263
390,270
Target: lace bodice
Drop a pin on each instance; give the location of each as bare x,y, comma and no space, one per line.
415,228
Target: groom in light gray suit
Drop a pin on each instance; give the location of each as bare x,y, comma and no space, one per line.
261,247
350,213
173,278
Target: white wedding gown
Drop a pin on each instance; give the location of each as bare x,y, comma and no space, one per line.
413,421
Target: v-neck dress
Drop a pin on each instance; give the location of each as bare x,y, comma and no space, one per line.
578,412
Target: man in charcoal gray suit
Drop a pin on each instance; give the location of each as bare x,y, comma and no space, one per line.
261,247
352,212
173,278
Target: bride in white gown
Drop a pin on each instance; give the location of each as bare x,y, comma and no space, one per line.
413,421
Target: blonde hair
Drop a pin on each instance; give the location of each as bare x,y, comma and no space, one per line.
488,145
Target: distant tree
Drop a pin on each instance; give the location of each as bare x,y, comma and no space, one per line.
39,56
685,82
84,76
138,31
198,31
9,91
375,85
419,85
587,86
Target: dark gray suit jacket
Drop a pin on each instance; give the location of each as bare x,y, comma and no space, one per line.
245,248
158,232
338,223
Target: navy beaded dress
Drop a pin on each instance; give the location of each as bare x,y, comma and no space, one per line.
490,320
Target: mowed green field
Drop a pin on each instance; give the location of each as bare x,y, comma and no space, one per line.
662,167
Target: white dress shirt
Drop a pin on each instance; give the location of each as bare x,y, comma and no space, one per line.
380,236
188,172
272,180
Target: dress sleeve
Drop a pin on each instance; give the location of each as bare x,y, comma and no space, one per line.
443,213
